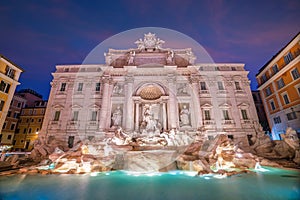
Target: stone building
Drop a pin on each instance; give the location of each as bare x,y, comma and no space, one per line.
279,86
12,118
149,90
9,76
29,126
263,120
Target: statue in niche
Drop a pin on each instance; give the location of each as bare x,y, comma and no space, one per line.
184,116
117,117
149,124
117,89
131,58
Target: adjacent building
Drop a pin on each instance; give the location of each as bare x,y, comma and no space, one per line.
261,111
12,118
29,126
9,76
149,90
279,86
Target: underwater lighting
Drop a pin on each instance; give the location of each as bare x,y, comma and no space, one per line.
94,174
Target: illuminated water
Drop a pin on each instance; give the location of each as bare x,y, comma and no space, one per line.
273,184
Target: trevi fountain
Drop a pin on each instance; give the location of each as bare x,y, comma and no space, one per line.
159,137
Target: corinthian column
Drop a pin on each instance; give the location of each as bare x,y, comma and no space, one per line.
196,101
129,103
105,104
137,105
173,114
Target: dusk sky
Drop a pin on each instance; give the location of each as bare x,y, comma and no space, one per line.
37,35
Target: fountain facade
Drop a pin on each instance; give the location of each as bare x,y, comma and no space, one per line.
143,102
150,91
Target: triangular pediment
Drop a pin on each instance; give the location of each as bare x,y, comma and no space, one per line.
224,105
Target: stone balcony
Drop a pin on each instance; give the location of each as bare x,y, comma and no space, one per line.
73,125
92,125
209,122
54,125
247,123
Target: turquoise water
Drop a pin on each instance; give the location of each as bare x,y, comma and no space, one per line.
273,184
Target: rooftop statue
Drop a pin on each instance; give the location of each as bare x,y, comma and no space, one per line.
149,43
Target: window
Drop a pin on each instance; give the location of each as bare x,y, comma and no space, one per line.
63,87
1,104
291,115
4,125
56,115
264,78
32,120
16,115
75,116
272,105
25,130
268,91
12,127
230,137
244,114
277,120
233,68
19,105
220,85
80,86
94,116
97,87
66,69
207,115
275,69
295,73
4,87
29,130
37,130
8,113
203,86
286,98
280,83
254,97
288,58
298,90
9,72
237,85
9,137
226,115
39,120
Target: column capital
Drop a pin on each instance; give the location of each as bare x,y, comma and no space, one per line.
194,79
107,79
171,78
129,79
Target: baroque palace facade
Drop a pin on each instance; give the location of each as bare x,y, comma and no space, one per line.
149,90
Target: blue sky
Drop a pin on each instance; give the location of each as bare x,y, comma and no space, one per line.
37,35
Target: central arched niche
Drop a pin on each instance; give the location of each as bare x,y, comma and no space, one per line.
150,91
150,107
